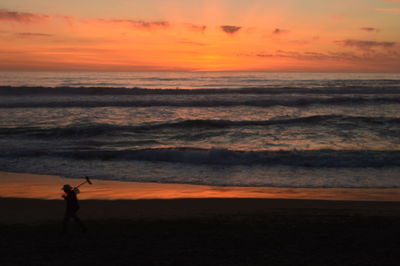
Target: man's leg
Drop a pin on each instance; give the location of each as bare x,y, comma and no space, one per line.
79,221
65,222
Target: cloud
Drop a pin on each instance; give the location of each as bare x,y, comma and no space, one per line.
21,17
32,34
369,29
230,29
198,28
188,42
142,24
386,61
305,55
393,10
279,31
365,45
328,55
299,42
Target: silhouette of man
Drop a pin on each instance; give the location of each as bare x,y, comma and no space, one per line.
72,208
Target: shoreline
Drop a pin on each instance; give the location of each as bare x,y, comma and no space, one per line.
48,187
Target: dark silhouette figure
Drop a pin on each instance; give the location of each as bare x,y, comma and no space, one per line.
72,208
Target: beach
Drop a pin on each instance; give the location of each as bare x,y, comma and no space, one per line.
196,231
202,232
196,133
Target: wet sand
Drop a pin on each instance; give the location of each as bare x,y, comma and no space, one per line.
197,231
17,185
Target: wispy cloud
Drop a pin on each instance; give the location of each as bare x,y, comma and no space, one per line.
32,34
299,42
369,29
325,56
389,10
198,28
142,24
279,31
305,55
365,45
230,29
193,43
21,17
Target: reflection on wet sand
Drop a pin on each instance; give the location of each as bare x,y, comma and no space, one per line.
15,185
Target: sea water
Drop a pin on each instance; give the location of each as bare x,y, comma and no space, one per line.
227,129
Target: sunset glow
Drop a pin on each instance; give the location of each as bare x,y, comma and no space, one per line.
201,35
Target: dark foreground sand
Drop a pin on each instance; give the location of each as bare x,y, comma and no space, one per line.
202,232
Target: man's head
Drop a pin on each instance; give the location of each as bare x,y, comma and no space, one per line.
66,188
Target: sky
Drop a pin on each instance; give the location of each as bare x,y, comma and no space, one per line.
200,35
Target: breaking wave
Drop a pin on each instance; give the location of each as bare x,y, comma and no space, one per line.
81,130
225,157
289,102
384,87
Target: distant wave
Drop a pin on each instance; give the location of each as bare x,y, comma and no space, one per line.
82,130
300,158
289,102
309,120
392,87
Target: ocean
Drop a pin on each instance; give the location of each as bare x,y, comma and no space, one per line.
300,130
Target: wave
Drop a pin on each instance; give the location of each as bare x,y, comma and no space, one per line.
382,88
308,120
225,157
288,102
81,130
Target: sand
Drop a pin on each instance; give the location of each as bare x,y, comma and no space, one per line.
170,228
18,185
202,232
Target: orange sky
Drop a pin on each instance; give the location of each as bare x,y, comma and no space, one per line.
201,35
